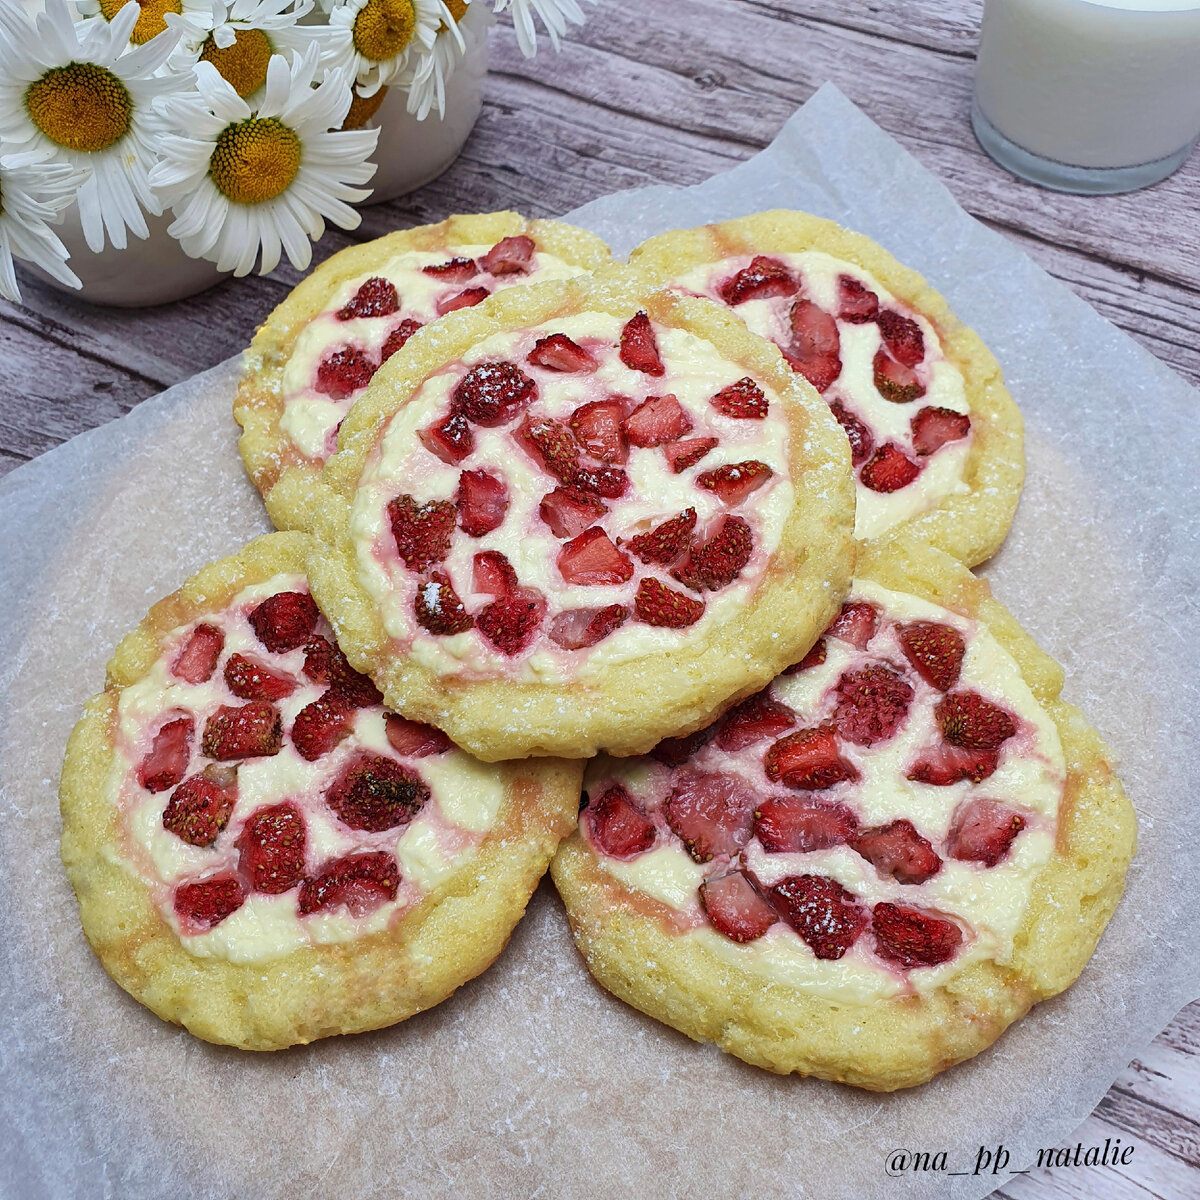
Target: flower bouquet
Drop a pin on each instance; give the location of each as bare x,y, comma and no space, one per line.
244,125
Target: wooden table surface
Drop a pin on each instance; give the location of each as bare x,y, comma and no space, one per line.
673,92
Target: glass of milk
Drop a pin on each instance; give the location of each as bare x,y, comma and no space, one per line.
1090,96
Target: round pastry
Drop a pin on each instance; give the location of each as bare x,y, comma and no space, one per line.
320,347
867,871
265,855
582,516
935,437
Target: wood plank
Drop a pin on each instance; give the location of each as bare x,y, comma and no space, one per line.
1166,1075
934,24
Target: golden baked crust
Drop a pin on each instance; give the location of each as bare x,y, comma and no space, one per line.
624,707
969,526
280,470
625,937
452,935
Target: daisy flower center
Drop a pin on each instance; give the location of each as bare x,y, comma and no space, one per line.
255,160
244,64
150,23
383,28
362,108
458,9
81,106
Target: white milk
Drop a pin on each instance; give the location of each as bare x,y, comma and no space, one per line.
1099,84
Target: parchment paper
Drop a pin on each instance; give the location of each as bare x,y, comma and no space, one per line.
531,1081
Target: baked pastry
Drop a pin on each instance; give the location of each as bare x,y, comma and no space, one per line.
260,851
936,438
321,346
582,516
870,869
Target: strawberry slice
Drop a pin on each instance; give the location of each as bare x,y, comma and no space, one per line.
597,428
438,608
346,371
422,531
913,937
898,851
457,270
894,381
933,427
675,751
762,278
493,574
656,420
557,352
639,346
888,470
249,679
666,542
735,908
814,658
376,297
415,739
710,812
272,848
687,453
200,806
808,760
374,793
397,338
657,604
467,298
511,621
858,432
935,651
253,730
165,763
902,336
450,439
356,882
592,559
493,393
321,725
569,511
828,918
578,628
509,256
872,703
983,831
206,903
197,660
857,304
550,444
733,482
799,824
719,561
945,764
743,400
970,721
609,482
755,718
284,621
325,663
482,501
616,826
815,348
855,623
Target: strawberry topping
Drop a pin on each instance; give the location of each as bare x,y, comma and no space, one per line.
249,679
415,739
666,542
509,256
356,882
493,574
450,439
457,270
889,470
855,623
591,558
828,918
815,347
970,721
438,608
510,622
719,561
933,427
422,531
569,511
551,446
482,501
872,703
744,400
894,381
397,338
711,812
808,760
639,346
982,831
272,845
913,937
902,336
597,428
733,482
858,432
253,730
687,453
675,751
735,908
200,806
945,764
374,793
467,298
898,851
578,628
857,304
799,824
321,725
165,763
346,371
375,298
609,482
197,660
935,651
283,621
557,352
814,658
763,277
656,420
206,903
657,604
325,663
616,825
752,720
493,393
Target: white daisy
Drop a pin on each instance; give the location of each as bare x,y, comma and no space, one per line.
81,95
463,25
371,39
33,193
554,14
244,180
193,18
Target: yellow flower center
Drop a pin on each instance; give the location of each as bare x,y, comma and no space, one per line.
362,108
150,23
383,28
80,106
244,64
458,9
254,160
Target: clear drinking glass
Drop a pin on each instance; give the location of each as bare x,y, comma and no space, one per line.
1091,96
